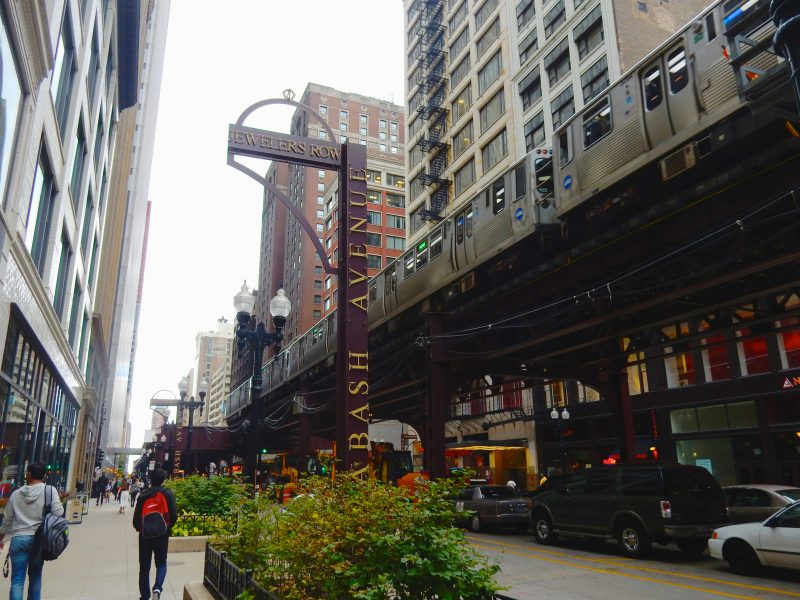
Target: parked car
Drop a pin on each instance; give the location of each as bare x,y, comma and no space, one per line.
750,503
749,546
492,505
634,504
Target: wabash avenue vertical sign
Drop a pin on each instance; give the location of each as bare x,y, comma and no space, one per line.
352,352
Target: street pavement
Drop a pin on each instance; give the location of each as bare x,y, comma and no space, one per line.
102,562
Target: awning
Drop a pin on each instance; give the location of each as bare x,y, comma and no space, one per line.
488,445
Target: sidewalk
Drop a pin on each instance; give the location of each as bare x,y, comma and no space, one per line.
102,562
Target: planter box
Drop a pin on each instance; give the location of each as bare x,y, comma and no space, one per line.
192,543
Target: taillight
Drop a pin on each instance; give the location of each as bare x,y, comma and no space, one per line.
666,509
714,535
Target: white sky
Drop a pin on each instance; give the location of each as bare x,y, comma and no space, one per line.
221,57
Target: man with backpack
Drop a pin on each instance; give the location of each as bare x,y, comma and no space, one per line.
153,517
25,511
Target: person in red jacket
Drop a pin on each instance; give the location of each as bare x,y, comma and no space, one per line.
153,517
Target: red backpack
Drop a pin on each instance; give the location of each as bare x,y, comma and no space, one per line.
155,513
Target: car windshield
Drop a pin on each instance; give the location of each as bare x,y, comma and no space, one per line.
792,495
498,492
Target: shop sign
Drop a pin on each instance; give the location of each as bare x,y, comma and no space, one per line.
791,382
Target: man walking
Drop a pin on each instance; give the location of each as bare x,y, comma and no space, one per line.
102,482
23,515
153,517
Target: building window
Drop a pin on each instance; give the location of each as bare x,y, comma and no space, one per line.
382,147
317,299
93,73
483,12
382,123
373,261
317,284
492,110
464,177
40,211
461,42
373,217
416,217
317,270
528,45
563,107
554,18
323,135
373,196
556,63
64,70
393,126
327,305
320,200
75,312
382,135
394,149
373,176
530,89
343,115
320,187
460,71
88,215
323,111
457,18
327,283
320,228
362,119
11,99
463,139
64,265
395,200
320,213
373,239
462,103
595,80
488,38
526,11
393,138
588,34
78,160
395,181
321,174
343,126
395,243
534,132
489,73
362,131
494,151
396,221
317,314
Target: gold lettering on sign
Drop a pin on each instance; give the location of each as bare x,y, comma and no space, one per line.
251,138
353,200
360,412
359,357
357,250
358,174
357,274
362,473
361,223
361,302
355,387
358,437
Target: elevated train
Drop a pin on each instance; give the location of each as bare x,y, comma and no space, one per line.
660,119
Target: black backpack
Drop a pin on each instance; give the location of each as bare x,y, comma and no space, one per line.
52,536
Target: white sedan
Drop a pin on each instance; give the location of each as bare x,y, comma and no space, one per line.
748,546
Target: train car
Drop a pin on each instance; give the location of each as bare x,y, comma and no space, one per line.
660,109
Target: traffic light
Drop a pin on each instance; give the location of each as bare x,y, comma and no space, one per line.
323,470
264,451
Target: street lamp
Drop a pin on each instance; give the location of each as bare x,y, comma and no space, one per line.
258,339
191,404
560,421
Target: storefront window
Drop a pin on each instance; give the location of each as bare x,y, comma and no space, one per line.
737,415
715,455
680,368
753,354
787,445
637,374
715,359
789,343
742,415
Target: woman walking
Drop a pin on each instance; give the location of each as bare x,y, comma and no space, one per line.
124,496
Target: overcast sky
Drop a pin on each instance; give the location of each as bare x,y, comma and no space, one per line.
221,57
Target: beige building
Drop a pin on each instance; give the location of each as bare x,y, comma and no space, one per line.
487,81
214,352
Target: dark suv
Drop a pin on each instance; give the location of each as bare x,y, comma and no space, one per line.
635,504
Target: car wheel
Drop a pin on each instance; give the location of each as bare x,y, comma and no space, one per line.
475,523
692,547
543,529
633,540
741,557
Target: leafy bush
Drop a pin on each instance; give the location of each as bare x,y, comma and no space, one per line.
206,495
361,539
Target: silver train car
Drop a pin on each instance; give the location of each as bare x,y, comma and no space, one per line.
656,113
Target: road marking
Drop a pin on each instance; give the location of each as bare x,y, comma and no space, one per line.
626,564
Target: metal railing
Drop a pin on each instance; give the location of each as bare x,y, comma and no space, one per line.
226,581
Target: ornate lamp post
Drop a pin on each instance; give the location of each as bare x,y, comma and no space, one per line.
191,404
258,339
560,420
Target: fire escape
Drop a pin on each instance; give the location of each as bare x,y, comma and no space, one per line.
433,90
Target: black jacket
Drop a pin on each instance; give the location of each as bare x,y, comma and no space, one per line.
144,495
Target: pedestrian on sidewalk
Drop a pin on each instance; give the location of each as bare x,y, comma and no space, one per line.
23,515
102,482
152,505
136,487
124,496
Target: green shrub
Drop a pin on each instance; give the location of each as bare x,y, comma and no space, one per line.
361,539
206,495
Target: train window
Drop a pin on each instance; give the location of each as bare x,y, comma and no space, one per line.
597,123
564,149
711,27
678,70
409,265
422,254
373,292
544,175
498,195
469,222
436,243
394,280
519,183
651,85
460,229
387,281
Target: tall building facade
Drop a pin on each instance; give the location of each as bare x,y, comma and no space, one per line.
487,81
69,79
288,259
212,360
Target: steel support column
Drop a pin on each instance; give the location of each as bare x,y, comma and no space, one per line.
440,390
